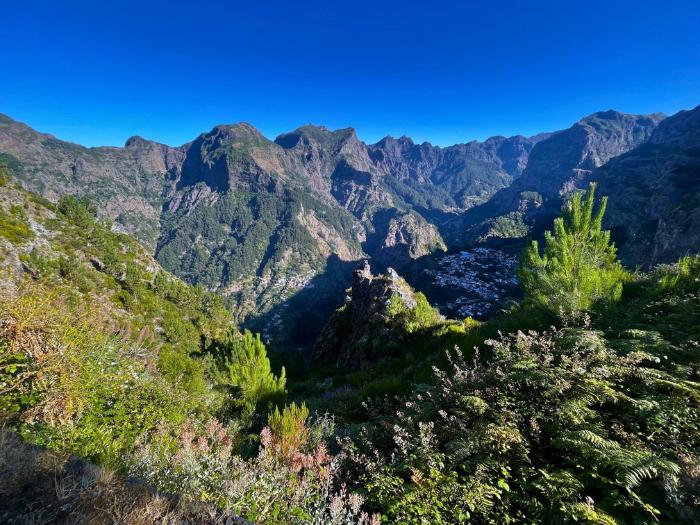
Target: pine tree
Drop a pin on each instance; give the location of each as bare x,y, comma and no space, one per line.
579,266
245,366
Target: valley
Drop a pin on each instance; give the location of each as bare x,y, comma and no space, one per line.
261,222
317,330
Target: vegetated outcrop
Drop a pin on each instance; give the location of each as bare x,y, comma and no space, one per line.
378,311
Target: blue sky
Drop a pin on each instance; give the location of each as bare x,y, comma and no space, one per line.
97,72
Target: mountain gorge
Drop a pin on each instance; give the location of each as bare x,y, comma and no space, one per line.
276,226
409,401
258,220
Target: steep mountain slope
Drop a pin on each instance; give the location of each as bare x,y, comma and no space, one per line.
126,182
258,220
654,206
271,224
456,177
555,167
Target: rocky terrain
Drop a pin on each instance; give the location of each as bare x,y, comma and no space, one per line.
276,226
377,309
556,166
261,221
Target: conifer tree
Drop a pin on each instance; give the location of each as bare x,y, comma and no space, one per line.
579,266
245,366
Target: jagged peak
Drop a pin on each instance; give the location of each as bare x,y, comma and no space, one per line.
612,114
315,133
136,141
389,139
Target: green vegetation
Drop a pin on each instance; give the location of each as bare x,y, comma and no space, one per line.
106,356
578,267
14,226
244,365
581,404
511,226
245,236
594,421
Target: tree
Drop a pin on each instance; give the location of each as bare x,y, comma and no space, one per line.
579,265
245,366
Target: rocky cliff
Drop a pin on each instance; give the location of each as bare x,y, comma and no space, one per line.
378,311
556,166
260,220
654,190
263,222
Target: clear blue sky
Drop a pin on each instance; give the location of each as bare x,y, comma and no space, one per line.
97,72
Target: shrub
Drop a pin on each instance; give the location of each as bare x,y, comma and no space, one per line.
267,489
288,429
70,384
555,427
14,226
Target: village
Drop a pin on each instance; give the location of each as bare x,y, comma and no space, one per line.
474,283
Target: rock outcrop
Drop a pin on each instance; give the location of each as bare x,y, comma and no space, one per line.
376,306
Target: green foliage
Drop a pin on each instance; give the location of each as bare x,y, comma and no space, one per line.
14,226
288,428
244,365
5,174
579,266
511,226
553,427
80,211
419,316
70,385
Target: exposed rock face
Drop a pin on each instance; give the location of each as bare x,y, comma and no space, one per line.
456,177
556,166
654,194
368,313
400,238
258,220
261,220
126,182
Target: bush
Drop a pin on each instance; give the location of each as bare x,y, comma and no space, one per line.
271,488
555,427
14,226
70,384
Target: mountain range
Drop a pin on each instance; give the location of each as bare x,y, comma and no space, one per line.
276,226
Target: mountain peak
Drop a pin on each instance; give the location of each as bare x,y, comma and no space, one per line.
315,133
401,143
240,128
136,141
240,133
